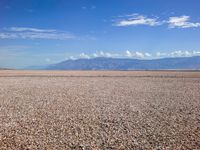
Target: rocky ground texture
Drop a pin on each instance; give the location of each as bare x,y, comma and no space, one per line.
99,110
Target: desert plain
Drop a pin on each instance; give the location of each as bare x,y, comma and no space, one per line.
100,110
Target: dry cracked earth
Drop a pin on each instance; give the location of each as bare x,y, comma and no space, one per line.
100,110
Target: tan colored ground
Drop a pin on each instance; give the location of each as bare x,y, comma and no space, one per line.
99,110
185,74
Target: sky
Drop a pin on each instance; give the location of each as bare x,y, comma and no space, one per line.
41,32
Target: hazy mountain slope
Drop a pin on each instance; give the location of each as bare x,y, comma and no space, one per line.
127,64
5,69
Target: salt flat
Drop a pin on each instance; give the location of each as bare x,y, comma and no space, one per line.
99,110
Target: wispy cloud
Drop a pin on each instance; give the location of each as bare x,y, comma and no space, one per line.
172,22
17,55
85,56
22,29
34,33
161,54
136,19
137,54
182,22
95,55
185,53
178,53
105,54
127,54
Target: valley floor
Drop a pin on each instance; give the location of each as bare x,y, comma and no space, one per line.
99,110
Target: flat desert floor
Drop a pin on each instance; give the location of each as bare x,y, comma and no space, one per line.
99,110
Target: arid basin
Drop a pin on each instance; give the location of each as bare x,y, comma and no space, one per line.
99,110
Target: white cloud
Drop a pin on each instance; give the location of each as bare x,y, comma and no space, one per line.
182,22
173,22
95,55
34,33
178,53
21,29
197,53
83,55
72,58
135,19
8,36
160,54
128,54
101,53
147,54
105,54
137,54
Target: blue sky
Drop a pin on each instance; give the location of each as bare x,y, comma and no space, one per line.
40,32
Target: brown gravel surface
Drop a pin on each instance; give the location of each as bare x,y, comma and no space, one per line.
99,110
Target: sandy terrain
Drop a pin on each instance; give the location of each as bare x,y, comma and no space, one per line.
99,110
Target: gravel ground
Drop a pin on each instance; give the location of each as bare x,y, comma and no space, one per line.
99,110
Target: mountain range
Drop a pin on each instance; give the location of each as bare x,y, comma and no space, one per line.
101,63
5,69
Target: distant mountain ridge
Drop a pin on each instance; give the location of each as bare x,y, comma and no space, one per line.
5,69
101,63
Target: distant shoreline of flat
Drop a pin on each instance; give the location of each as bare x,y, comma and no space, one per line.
106,73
